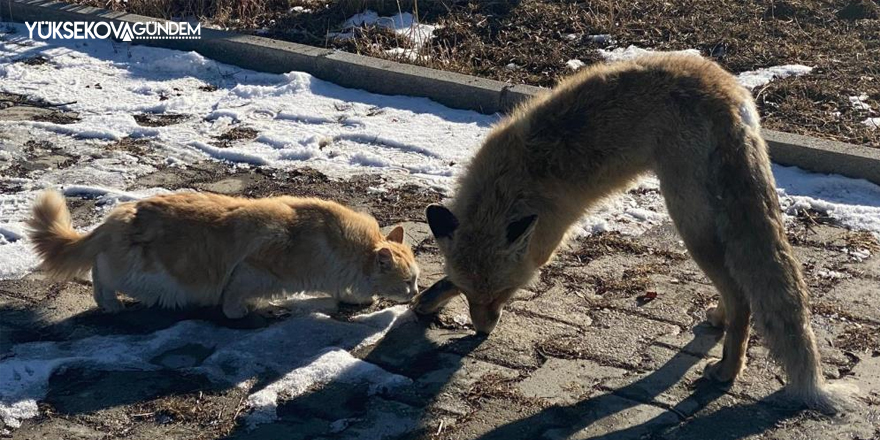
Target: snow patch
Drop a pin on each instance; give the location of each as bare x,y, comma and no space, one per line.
632,52
574,64
872,123
757,78
854,203
403,24
335,365
293,356
858,103
750,79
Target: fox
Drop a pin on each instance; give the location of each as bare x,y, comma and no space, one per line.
203,249
682,117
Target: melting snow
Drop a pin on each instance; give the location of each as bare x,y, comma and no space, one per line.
858,102
403,24
750,79
631,52
757,78
574,64
291,356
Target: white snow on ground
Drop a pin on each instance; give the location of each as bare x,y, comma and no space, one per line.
293,113
854,203
403,24
574,64
757,78
292,356
301,121
858,102
631,52
750,79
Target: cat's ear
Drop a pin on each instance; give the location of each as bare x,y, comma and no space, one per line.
396,235
384,259
441,220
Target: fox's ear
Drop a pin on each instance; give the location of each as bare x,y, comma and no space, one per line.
441,220
384,258
519,232
396,235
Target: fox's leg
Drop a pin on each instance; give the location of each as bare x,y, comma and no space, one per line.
105,297
736,336
733,312
435,297
688,200
717,316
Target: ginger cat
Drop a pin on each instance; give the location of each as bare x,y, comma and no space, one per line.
206,249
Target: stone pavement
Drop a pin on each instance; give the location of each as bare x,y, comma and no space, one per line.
585,353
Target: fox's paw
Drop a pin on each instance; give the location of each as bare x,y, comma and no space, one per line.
435,297
722,370
715,317
829,399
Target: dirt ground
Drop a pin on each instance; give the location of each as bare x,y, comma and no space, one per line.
530,41
609,344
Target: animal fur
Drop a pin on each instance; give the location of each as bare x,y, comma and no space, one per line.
207,249
690,122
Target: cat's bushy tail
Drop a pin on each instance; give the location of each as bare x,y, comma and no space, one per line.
65,252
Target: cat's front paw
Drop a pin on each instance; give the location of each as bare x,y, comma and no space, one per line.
235,310
111,305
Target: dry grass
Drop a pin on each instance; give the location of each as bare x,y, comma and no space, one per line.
529,41
234,135
863,340
494,386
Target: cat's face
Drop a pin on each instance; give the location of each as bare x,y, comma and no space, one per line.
395,274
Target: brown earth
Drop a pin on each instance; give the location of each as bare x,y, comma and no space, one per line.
535,38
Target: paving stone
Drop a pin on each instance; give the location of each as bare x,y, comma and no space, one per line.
617,338
702,341
59,429
858,298
513,342
677,295
765,420
461,373
413,349
563,382
498,419
232,185
619,419
675,381
383,419
554,304
299,429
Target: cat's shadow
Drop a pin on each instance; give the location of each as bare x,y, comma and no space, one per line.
81,388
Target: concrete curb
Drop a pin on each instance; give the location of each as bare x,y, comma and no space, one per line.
391,78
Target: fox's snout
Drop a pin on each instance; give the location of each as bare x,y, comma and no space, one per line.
485,317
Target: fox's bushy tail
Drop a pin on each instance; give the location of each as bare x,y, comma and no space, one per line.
65,253
760,258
